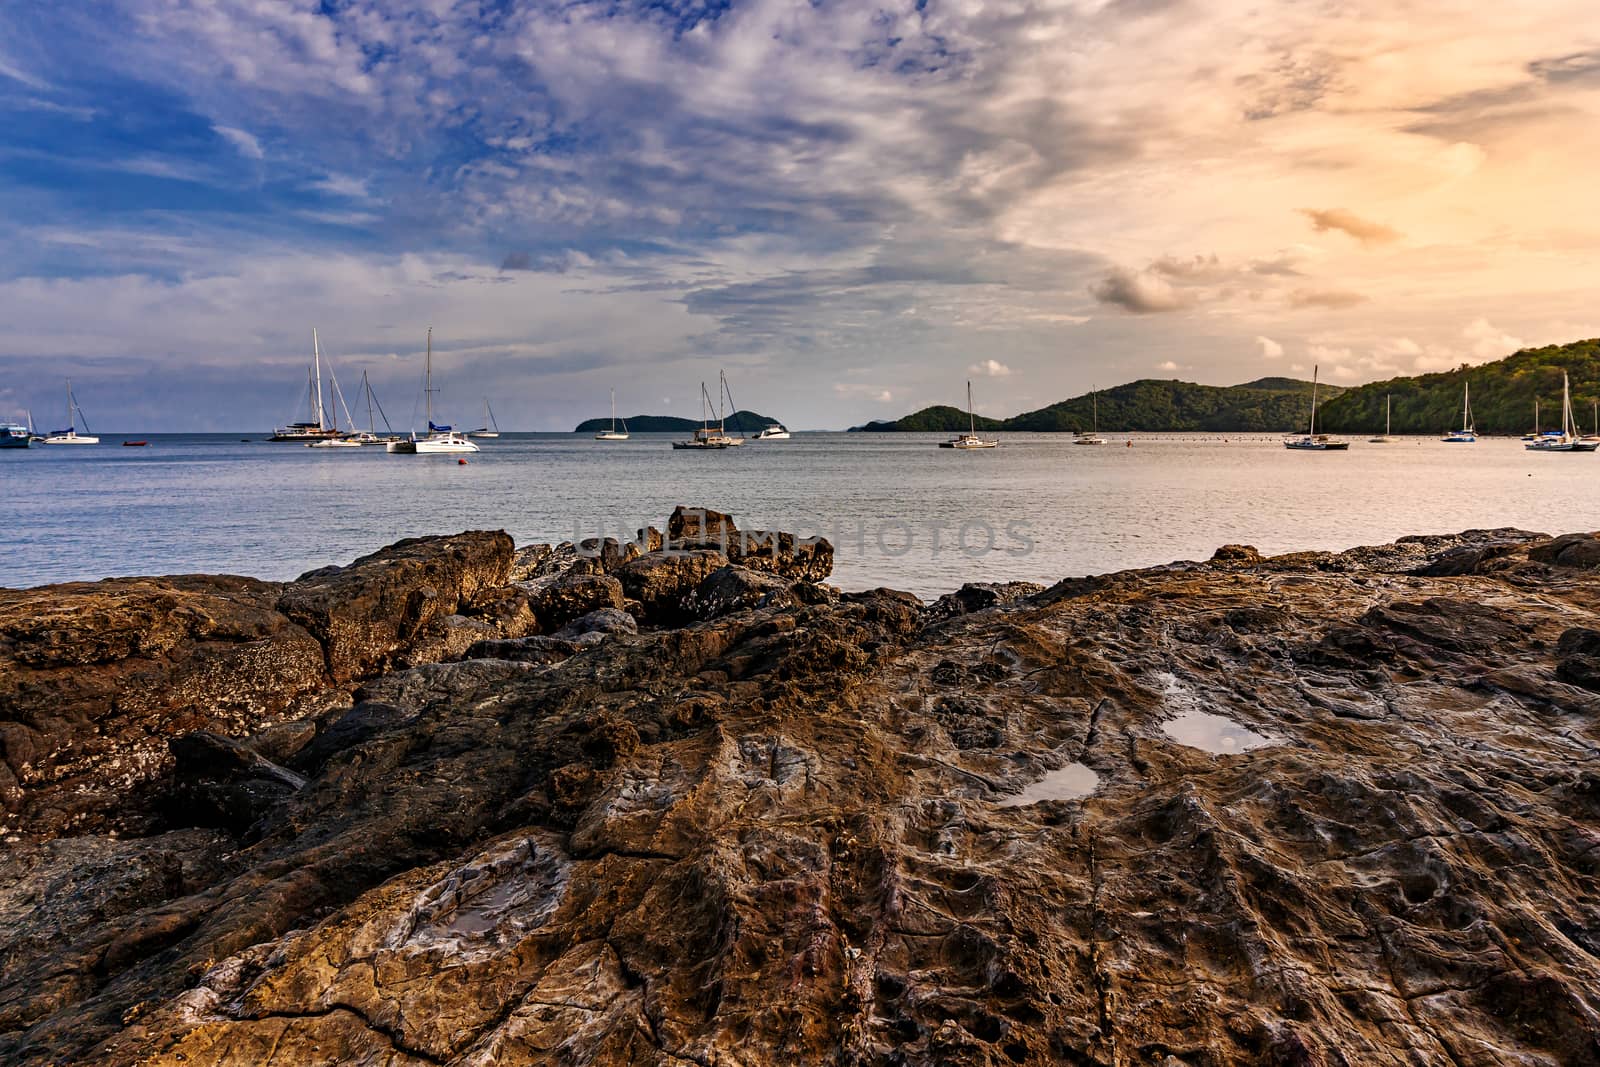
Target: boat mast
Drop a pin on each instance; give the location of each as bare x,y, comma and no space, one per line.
972,419
1466,407
1386,419
613,411
722,382
367,386
1312,432
1569,425
316,374
71,425
1094,401
427,381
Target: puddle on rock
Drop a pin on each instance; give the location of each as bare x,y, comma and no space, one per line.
1070,782
1216,734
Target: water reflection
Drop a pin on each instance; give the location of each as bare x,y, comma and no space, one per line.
1070,782
1212,733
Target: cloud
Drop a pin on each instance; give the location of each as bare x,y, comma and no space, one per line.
1167,365
1333,299
990,368
1489,342
242,140
1347,222
1141,292
1270,349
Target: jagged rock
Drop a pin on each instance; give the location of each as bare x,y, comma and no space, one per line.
94,677
367,612
1569,550
700,527
540,649
527,560
831,833
603,621
733,588
1236,554
976,596
557,601
660,580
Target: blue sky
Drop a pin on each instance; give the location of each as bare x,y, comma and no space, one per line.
852,208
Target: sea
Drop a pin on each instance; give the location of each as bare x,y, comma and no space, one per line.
901,512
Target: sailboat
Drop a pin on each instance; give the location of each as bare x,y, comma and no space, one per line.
345,439
440,440
369,436
1534,436
1313,441
1383,438
705,437
970,439
1468,434
317,426
1093,436
613,434
1565,439
490,428
1596,435
71,436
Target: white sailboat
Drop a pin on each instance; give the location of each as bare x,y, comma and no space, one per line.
344,438
705,437
1312,441
1468,434
318,425
440,440
614,434
1384,438
370,435
970,439
71,436
1565,439
1093,436
490,429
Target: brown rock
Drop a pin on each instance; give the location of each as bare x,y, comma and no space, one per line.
557,601
659,581
367,612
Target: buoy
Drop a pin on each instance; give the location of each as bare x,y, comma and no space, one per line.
462,462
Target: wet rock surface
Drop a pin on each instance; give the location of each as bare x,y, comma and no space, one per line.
853,828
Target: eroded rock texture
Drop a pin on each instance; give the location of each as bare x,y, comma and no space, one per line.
789,832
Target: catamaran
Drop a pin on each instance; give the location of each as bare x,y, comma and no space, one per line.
440,440
1565,439
1384,438
1468,434
71,436
705,437
490,429
970,439
1093,436
614,434
1312,441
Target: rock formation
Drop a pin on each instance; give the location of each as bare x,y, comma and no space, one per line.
1340,808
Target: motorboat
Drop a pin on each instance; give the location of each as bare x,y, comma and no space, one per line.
13,435
775,432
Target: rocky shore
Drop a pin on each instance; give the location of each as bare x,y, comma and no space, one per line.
679,801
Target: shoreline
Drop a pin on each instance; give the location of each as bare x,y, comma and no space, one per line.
594,784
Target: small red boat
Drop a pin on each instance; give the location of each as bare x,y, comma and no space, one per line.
134,444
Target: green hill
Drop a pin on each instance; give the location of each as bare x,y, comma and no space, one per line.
1270,404
1503,393
745,421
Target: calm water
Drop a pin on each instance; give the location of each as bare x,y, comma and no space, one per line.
214,504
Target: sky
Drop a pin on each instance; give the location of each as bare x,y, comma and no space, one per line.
849,207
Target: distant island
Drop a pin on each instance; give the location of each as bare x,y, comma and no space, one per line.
1503,393
747,421
1149,404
